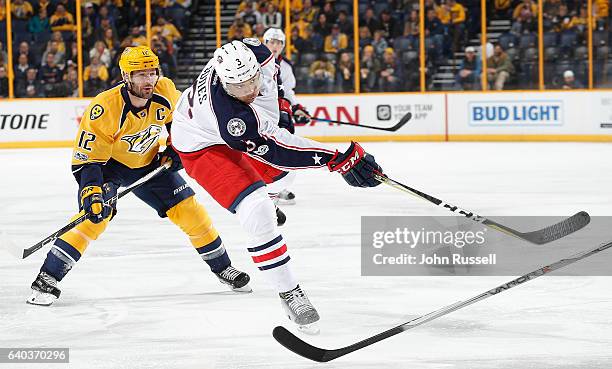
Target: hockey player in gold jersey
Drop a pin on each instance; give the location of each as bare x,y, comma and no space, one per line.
116,144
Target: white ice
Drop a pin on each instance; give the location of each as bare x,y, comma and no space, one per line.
142,298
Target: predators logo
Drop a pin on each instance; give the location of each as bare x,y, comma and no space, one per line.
142,141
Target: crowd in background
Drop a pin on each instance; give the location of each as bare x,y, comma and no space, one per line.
321,42
45,48
389,34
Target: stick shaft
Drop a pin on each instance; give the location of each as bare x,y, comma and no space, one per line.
30,250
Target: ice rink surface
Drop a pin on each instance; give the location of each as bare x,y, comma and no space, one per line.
142,298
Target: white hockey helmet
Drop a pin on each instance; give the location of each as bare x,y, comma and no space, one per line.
274,34
237,68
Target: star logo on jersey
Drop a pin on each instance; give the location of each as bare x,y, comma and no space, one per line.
96,112
142,141
317,159
236,127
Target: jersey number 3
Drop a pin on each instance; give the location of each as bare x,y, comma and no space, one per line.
85,139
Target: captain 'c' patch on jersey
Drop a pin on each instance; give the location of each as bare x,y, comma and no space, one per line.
96,112
142,141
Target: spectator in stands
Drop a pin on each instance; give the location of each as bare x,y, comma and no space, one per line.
346,70
321,75
111,41
50,76
391,72
336,41
259,30
369,20
24,48
103,13
97,67
525,6
322,26
302,25
550,10
94,85
468,77
501,9
562,21
272,18
379,43
389,25
250,15
329,11
601,9
434,36
369,67
167,30
39,26
165,59
570,82
365,37
452,16
580,21
21,68
70,85
239,30
53,49
499,68
346,26
525,22
412,28
4,90
101,52
30,83
138,38
299,45
21,12
72,55
61,20
308,12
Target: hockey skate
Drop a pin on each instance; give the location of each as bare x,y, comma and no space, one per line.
300,310
44,290
237,280
285,197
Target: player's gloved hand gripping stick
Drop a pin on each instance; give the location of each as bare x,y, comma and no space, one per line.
98,212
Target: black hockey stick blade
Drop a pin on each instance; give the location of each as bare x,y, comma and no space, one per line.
551,233
538,237
304,349
405,119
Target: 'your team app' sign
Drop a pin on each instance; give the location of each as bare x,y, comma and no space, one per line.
516,113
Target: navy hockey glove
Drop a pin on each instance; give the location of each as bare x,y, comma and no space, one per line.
356,166
300,114
286,115
169,155
92,202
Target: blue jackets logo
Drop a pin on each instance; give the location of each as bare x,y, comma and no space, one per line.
516,113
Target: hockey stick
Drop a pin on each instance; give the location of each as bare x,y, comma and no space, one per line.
51,238
295,344
394,128
539,237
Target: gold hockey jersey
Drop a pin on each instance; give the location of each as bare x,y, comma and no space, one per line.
112,127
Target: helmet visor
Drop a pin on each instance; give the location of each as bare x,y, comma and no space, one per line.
245,88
